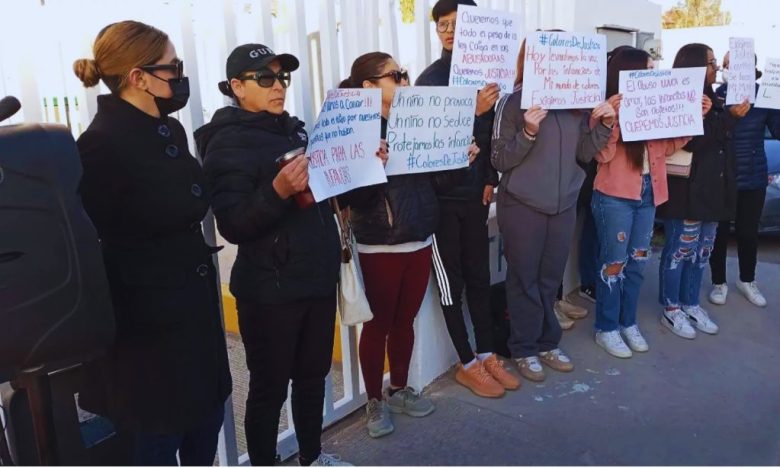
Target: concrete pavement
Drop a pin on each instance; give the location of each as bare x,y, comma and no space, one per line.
714,400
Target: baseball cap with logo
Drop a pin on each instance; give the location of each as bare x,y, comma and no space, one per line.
253,57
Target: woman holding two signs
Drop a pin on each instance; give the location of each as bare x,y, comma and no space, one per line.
393,225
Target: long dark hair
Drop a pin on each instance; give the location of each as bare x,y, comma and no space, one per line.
364,67
627,58
695,55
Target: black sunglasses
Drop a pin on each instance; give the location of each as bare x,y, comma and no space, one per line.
177,68
396,75
267,78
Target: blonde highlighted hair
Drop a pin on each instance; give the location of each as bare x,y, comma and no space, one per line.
120,47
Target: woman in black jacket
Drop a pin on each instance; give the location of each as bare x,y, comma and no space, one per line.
394,225
695,206
167,377
284,278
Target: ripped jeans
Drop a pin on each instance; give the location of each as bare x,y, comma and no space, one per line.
624,228
686,253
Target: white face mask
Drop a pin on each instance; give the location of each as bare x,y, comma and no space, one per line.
725,75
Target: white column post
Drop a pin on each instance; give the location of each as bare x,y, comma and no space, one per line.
304,106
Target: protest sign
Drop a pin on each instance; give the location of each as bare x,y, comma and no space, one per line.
485,48
342,147
430,129
661,103
742,71
769,91
564,70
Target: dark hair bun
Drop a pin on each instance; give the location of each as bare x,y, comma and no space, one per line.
226,89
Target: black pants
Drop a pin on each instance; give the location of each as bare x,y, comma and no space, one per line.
461,257
536,247
284,342
750,203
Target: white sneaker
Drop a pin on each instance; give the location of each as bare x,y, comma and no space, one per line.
719,293
676,321
635,339
326,459
701,319
751,292
613,343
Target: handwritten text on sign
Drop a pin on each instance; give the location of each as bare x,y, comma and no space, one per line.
430,129
769,92
344,141
564,70
742,71
661,103
486,46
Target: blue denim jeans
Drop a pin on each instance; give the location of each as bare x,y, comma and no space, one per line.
686,253
624,228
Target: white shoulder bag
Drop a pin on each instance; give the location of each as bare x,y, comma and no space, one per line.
352,303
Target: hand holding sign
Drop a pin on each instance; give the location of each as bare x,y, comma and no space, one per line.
533,118
487,97
706,104
740,110
604,112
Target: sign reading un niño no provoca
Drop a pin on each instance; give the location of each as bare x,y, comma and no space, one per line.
430,129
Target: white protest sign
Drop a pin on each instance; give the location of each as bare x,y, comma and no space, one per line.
564,70
343,145
430,129
485,48
742,71
661,103
769,91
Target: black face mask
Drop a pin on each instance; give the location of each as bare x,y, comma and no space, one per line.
181,94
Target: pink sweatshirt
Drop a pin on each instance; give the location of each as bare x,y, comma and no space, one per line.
617,177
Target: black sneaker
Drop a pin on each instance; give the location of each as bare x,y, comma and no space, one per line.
588,292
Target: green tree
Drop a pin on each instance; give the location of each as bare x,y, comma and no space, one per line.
695,13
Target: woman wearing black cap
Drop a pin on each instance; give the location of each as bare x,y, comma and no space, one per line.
166,379
284,278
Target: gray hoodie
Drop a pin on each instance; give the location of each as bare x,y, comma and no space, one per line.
543,174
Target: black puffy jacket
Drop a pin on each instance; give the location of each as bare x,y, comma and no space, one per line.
748,143
405,209
480,172
710,193
285,254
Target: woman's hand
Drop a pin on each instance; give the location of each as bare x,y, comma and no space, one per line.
293,178
382,153
533,118
604,112
706,104
473,152
487,97
615,101
487,195
740,110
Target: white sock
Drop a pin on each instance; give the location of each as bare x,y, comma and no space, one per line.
474,361
483,356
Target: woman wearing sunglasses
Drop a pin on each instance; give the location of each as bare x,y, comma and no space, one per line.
166,379
284,278
393,225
